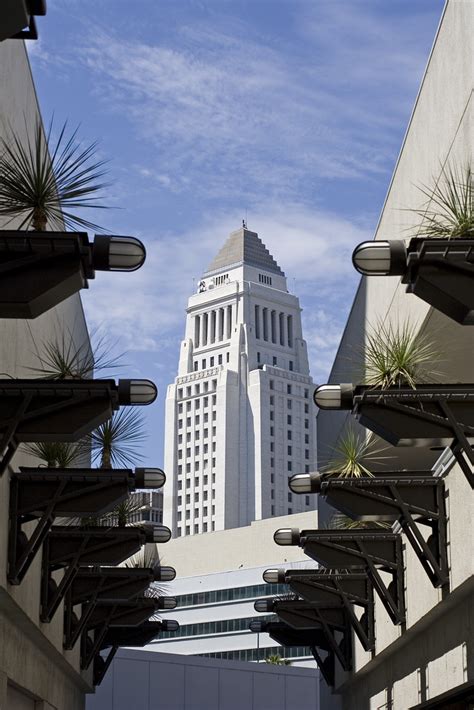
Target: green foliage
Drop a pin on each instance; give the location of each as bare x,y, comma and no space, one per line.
148,558
115,443
40,181
276,660
449,211
61,359
55,454
398,355
344,522
352,454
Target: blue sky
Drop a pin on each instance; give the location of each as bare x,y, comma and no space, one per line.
289,113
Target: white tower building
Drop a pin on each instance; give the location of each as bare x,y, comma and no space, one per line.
239,417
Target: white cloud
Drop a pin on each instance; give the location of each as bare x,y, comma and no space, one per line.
145,310
226,104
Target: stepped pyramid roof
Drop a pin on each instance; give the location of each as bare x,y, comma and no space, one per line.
244,247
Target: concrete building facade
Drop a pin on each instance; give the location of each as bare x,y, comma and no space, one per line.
429,661
138,680
35,671
218,579
239,416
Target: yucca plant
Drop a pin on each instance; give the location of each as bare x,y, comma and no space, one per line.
55,454
61,359
148,557
339,521
115,443
352,454
398,355
41,180
276,660
449,211
123,514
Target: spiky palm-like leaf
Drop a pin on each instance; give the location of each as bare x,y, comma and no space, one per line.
276,660
124,513
398,355
40,181
148,557
55,454
344,522
354,451
115,443
449,212
61,359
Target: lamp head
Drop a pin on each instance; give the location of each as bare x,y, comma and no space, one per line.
380,258
334,396
149,478
169,625
263,605
111,253
137,392
287,536
305,482
274,576
164,574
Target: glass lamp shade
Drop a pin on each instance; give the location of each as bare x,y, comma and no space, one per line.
263,605
137,392
164,574
380,258
170,625
333,396
157,533
305,482
149,478
287,536
274,576
167,603
257,626
110,253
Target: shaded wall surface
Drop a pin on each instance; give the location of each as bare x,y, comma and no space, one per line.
434,653
34,668
141,680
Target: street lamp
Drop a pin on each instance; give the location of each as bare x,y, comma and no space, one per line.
287,536
305,482
334,396
274,576
111,253
263,605
164,574
41,269
137,392
379,258
158,533
149,478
